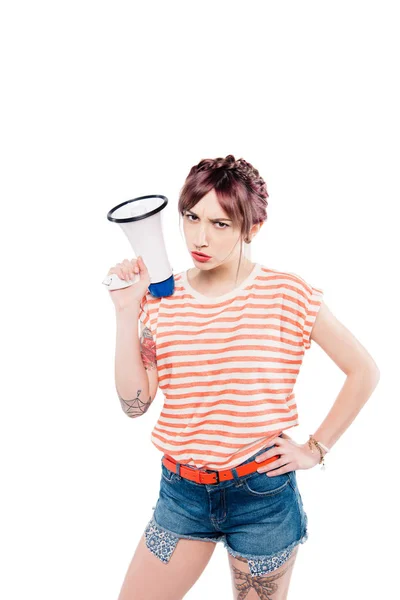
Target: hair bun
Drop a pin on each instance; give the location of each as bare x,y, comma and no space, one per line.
240,168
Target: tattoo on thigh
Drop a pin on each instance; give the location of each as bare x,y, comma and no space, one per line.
135,407
264,585
148,349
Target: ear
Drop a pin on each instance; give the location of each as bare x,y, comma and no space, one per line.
256,228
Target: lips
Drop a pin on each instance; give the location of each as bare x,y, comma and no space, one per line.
201,254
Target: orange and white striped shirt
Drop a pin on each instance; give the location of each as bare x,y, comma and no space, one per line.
227,365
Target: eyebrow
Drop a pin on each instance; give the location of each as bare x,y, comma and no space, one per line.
212,220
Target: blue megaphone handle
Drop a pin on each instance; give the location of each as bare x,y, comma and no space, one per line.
162,288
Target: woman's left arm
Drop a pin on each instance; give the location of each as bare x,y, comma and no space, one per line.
362,378
359,366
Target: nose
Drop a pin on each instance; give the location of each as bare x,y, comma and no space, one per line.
201,238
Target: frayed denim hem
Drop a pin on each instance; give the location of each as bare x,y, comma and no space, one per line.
262,565
162,542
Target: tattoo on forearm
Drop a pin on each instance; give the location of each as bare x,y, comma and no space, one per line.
135,407
148,349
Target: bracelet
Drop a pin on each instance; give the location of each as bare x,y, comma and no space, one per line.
313,441
324,447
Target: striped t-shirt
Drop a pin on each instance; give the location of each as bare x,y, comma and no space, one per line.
227,365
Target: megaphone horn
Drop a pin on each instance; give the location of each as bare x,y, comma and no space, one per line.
140,220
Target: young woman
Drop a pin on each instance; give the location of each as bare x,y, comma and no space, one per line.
226,348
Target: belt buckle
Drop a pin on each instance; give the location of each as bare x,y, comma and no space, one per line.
197,476
216,476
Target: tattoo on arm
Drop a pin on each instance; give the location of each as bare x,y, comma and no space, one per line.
148,349
135,407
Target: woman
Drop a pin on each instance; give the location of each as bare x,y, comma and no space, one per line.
226,349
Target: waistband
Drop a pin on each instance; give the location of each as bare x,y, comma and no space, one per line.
208,476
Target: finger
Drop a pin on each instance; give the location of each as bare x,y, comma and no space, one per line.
123,273
281,471
141,263
130,268
115,271
278,440
134,266
275,442
270,466
281,468
268,454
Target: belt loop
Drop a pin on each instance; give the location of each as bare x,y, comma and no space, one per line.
236,476
177,465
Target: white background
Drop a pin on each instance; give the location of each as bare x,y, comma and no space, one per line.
105,101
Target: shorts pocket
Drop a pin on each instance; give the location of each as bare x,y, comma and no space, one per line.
294,486
262,485
168,475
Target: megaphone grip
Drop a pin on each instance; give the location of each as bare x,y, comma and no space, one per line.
113,282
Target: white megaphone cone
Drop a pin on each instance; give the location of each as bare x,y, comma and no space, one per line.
140,219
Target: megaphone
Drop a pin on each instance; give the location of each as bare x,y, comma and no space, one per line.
140,220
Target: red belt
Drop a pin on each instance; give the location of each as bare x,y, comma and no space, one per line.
202,476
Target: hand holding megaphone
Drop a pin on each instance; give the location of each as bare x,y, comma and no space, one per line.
133,280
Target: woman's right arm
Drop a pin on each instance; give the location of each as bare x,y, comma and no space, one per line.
136,378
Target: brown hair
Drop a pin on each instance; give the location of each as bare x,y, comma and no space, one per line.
241,191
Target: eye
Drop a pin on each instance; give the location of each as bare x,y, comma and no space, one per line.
225,225
188,216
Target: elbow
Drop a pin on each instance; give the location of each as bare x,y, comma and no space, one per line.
130,413
368,372
135,407
374,376
373,371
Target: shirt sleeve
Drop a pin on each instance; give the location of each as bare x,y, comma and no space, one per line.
314,297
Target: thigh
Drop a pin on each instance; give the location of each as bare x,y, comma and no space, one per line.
148,578
265,520
272,585
266,524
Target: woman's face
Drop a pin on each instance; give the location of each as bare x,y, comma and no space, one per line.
209,230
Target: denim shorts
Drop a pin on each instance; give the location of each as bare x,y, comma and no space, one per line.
257,517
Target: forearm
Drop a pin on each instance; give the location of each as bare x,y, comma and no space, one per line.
131,378
355,392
